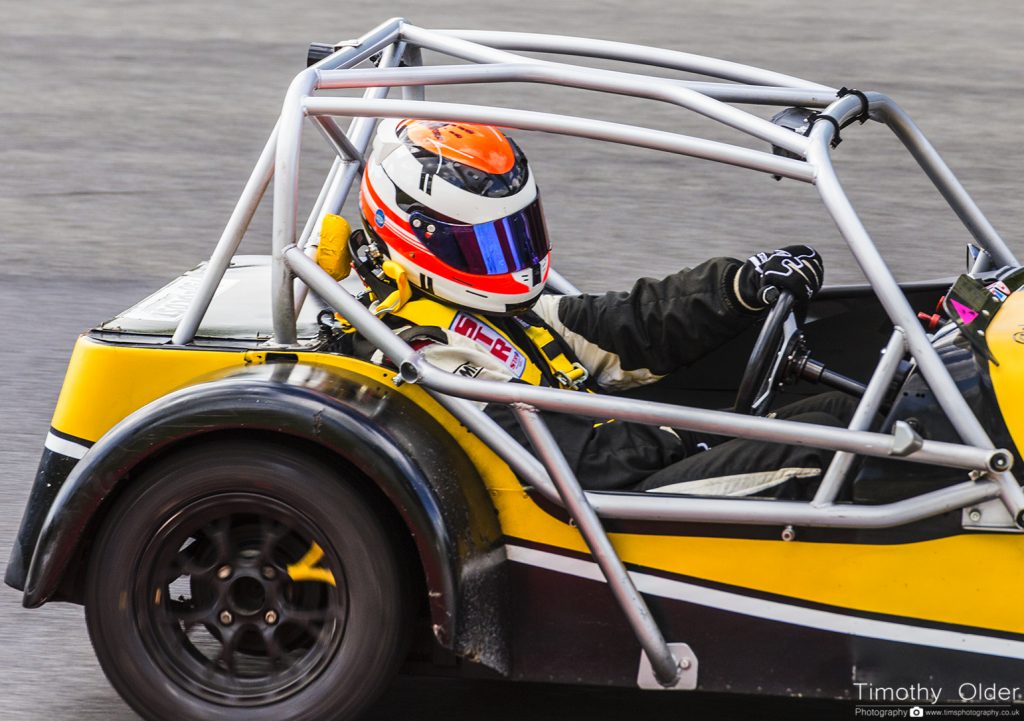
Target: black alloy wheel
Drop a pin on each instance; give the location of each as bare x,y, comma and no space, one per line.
238,580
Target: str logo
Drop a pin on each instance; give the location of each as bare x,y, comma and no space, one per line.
491,341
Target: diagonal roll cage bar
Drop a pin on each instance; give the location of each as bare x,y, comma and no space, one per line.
399,46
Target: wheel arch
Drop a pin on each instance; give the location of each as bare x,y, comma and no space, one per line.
406,455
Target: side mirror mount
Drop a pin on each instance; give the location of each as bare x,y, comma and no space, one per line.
978,260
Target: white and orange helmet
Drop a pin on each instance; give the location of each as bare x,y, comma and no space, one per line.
456,206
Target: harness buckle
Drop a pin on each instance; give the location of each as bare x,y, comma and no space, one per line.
574,378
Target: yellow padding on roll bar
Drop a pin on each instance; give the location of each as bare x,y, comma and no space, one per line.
332,254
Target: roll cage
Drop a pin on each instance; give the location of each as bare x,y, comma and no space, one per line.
396,46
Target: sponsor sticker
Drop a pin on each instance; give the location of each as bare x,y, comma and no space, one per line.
491,341
170,302
999,289
966,314
468,369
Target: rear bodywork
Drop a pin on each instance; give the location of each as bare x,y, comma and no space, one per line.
908,573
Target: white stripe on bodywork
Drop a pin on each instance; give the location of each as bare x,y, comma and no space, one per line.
776,611
65,447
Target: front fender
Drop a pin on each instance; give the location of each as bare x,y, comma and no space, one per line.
384,434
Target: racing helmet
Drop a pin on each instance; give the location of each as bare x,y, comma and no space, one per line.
456,206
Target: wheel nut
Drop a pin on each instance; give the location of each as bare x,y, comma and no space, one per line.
223,572
226,618
271,617
269,572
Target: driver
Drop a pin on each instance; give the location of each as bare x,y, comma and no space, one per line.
455,253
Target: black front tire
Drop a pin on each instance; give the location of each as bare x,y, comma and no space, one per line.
197,611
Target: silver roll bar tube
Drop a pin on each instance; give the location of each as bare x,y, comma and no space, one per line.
373,41
772,430
568,76
597,79
869,405
893,300
613,50
229,241
942,177
666,667
606,81
286,170
565,125
346,168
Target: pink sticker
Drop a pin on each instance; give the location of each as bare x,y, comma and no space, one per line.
491,341
965,313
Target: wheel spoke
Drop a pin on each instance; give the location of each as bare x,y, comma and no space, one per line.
273,531
185,563
275,653
229,639
219,532
312,621
190,615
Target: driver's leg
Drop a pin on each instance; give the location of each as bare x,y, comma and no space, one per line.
835,403
740,467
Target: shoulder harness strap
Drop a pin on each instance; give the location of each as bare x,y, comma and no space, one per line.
565,365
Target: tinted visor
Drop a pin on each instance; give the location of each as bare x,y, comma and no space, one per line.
502,246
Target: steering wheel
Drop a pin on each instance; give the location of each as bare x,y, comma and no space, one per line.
779,334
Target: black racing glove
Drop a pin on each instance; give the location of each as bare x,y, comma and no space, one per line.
796,268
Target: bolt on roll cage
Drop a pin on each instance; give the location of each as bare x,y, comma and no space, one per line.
398,45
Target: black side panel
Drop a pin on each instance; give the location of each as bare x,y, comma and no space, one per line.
568,629
386,437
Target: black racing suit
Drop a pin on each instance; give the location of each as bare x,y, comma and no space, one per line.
631,338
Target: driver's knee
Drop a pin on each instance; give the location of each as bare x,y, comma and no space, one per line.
834,408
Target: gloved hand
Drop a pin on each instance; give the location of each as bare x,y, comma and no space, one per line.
796,268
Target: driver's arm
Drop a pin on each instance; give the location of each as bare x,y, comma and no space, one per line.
629,339
625,339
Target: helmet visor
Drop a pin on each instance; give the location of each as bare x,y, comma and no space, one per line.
505,245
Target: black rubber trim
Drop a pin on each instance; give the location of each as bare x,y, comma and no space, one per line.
865,106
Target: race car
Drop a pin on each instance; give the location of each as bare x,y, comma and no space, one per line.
262,525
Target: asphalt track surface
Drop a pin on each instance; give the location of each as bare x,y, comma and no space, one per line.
127,130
